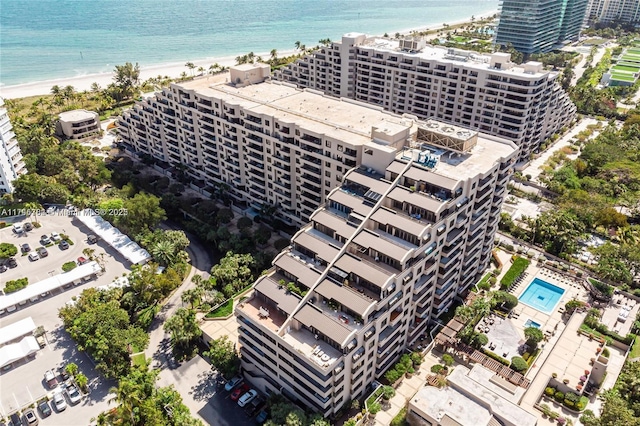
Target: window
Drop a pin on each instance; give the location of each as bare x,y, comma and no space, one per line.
340,148
327,144
327,174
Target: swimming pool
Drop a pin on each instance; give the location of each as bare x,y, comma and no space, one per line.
541,295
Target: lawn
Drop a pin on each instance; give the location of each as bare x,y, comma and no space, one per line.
139,360
622,77
460,39
635,351
595,41
518,266
222,311
624,68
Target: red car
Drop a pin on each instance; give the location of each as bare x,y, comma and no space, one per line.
82,260
237,393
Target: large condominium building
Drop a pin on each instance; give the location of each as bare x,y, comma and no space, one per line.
488,93
271,143
539,26
11,164
607,11
392,246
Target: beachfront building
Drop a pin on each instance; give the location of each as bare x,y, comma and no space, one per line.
475,397
405,232
609,11
539,26
488,93
11,164
271,144
78,124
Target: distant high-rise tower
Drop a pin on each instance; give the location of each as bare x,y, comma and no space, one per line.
11,164
606,11
535,26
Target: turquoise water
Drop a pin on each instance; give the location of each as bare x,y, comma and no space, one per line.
541,295
47,39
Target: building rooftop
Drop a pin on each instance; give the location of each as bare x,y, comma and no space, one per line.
470,400
446,54
341,119
77,115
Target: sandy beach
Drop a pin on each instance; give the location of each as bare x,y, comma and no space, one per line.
173,70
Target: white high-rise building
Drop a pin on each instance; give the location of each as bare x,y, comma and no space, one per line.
393,245
487,93
620,11
11,164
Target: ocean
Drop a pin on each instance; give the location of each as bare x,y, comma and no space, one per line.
47,39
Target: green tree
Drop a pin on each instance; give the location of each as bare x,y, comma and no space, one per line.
519,364
183,327
223,356
126,79
533,335
143,213
71,369
7,250
233,270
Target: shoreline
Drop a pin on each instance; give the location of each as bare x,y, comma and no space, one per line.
171,69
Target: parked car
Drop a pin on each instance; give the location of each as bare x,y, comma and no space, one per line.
15,419
27,226
50,378
238,392
63,245
31,418
59,402
63,373
42,252
45,240
2,268
92,239
247,397
18,228
255,406
56,237
74,394
33,256
232,383
45,409
262,417
82,260
11,263
25,248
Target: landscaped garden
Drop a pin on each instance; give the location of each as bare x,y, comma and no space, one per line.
517,268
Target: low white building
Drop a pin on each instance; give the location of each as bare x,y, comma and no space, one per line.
78,124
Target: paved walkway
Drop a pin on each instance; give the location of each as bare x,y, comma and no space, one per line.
535,167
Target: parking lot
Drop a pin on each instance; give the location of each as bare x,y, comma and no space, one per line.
24,383
196,382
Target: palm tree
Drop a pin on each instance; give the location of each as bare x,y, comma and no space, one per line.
297,45
163,252
191,67
274,54
201,70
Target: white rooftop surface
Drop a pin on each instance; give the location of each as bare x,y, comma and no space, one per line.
429,52
16,351
77,115
453,402
112,236
49,284
480,159
17,329
341,119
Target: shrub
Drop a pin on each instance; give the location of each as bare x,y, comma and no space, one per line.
519,265
518,364
393,375
15,285
549,391
546,410
67,266
508,301
437,369
571,397
485,285
496,357
388,392
280,244
416,358
244,223
582,403
559,396
374,408
482,339
447,360
605,352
